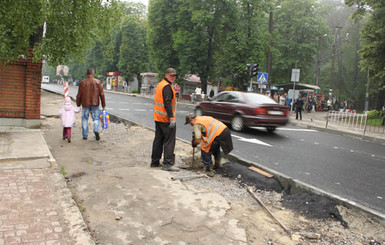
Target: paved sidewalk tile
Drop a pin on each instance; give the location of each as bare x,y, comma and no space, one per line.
28,210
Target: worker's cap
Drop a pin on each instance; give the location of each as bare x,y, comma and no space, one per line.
170,71
189,117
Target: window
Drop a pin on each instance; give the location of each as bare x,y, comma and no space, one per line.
221,97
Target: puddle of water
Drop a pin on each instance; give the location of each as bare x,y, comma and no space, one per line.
94,162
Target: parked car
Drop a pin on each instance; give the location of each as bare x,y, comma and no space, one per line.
242,109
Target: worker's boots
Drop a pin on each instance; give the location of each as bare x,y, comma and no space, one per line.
208,171
217,164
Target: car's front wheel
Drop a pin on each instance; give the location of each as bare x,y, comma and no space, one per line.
198,112
237,123
270,129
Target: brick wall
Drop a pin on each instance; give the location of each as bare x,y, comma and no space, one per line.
20,89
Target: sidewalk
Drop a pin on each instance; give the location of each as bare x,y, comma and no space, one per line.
36,206
317,120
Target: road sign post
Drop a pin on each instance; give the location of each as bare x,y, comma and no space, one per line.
262,78
294,78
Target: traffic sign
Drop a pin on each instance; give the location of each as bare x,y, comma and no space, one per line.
262,78
295,75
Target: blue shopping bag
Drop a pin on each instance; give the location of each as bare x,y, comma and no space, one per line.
105,119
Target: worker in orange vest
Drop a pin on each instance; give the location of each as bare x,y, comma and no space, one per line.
212,135
165,122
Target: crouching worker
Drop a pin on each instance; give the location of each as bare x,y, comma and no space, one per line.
213,135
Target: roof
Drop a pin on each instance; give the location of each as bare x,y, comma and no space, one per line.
298,86
192,78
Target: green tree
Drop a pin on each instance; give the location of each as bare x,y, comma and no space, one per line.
133,57
373,44
299,24
159,34
71,27
243,41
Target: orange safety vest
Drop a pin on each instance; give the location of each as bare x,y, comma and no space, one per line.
213,129
160,113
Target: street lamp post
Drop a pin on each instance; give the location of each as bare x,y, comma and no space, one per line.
319,59
334,56
269,56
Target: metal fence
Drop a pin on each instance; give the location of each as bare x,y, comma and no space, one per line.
356,121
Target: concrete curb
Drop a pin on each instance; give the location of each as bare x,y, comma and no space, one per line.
297,186
294,185
73,217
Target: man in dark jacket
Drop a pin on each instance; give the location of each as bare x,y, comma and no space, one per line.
89,93
165,122
298,107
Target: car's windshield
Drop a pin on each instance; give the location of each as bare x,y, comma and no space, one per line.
259,99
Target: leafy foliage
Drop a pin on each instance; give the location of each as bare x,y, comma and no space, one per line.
71,27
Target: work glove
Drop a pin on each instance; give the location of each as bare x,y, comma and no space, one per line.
193,144
172,123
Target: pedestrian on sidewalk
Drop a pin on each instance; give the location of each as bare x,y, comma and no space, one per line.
67,116
298,104
213,135
165,122
177,91
89,93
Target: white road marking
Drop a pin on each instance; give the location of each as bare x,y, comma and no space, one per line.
335,147
185,112
307,173
302,140
124,102
379,197
136,103
254,141
316,143
139,109
297,129
351,150
108,108
338,183
123,109
276,163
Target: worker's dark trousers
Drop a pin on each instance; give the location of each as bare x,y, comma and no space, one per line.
164,139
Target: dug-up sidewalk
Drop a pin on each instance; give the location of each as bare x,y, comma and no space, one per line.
36,207
143,207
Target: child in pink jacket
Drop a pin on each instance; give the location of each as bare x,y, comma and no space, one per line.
67,116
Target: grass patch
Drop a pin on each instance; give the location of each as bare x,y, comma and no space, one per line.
63,171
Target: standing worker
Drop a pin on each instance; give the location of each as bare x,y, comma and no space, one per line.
89,93
213,135
165,122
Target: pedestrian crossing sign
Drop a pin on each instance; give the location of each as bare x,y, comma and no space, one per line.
262,78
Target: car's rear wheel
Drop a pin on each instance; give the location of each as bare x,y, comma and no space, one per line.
198,112
237,123
270,129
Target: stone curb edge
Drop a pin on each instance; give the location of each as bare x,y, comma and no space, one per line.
72,215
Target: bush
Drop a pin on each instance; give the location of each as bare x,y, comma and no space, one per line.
376,114
135,91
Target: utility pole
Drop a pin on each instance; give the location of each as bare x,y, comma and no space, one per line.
367,94
336,32
269,56
318,71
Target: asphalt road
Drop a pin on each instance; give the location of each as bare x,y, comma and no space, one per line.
349,167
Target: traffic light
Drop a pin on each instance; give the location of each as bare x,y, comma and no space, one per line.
252,69
249,69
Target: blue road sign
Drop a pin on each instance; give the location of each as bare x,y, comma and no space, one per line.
262,78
